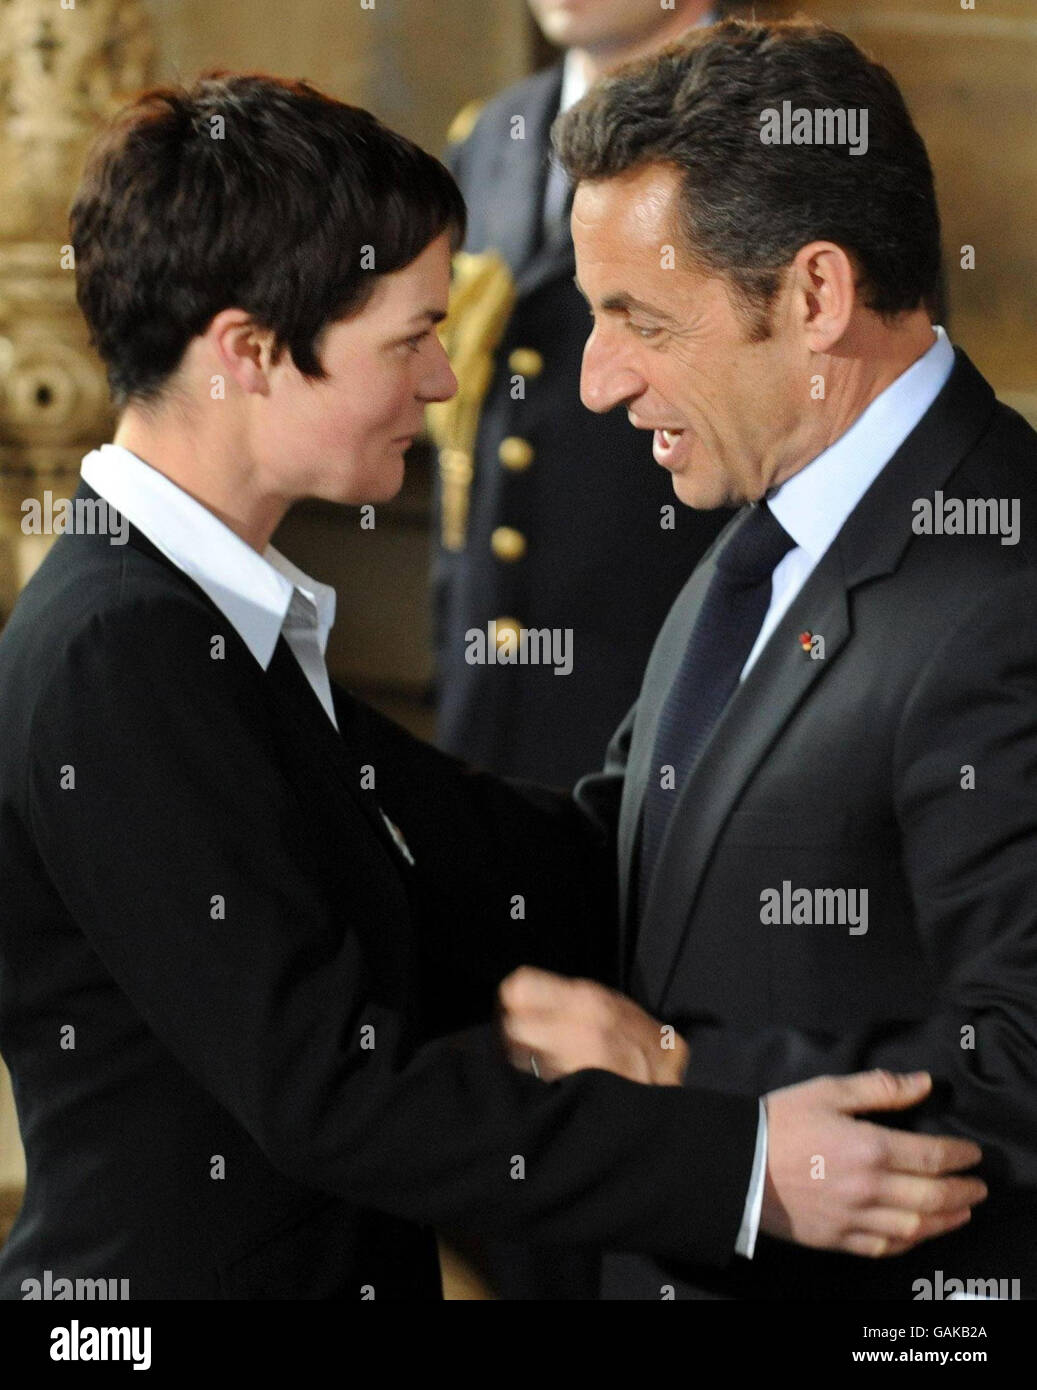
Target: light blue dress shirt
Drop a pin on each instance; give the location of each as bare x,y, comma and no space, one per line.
814,503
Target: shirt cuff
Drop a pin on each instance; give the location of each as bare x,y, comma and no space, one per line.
749,1229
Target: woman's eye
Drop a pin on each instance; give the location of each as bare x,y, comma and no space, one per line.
414,344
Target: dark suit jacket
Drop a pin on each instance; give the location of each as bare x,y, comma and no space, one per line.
848,772
589,505
205,928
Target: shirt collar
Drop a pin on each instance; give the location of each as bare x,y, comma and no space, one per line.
813,504
256,593
574,83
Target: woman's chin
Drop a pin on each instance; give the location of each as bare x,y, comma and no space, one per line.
380,484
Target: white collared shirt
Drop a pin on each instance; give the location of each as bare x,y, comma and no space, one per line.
814,503
574,82
261,596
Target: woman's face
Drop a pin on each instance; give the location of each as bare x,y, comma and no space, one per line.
343,438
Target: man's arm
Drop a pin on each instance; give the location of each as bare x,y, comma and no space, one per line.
179,799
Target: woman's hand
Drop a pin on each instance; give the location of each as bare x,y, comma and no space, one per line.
567,1025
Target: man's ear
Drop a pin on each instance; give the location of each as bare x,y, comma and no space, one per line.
825,283
244,349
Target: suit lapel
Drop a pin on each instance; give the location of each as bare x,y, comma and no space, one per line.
334,758
659,674
781,678
513,227
870,544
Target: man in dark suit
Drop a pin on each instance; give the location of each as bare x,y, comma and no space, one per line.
251,932
822,801
563,527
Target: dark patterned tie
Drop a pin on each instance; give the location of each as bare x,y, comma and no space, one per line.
724,634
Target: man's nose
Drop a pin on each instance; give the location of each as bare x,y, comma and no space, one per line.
606,379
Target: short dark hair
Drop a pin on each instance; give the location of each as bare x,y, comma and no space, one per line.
292,216
746,207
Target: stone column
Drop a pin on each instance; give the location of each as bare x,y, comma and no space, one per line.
63,68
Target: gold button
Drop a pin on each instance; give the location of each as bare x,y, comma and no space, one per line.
515,453
508,544
526,361
507,629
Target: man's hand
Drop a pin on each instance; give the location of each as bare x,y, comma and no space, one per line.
837,1183
567,1025
833,1182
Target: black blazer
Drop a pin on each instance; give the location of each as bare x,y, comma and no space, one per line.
251,1047
850,772
589,505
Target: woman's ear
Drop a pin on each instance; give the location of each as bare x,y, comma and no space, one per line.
243,348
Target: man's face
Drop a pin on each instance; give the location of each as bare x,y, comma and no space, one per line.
592,24
668,344
344,438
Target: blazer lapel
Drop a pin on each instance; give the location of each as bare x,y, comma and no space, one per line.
755,715
870,544
659,674
335,758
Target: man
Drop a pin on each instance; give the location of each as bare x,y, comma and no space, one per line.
822,801
566,529
252,932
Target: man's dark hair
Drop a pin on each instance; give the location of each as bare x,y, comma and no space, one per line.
746,207
245,191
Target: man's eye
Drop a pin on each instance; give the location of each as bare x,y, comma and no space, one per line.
647,334
414,344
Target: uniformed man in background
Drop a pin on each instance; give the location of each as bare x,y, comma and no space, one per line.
548,517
